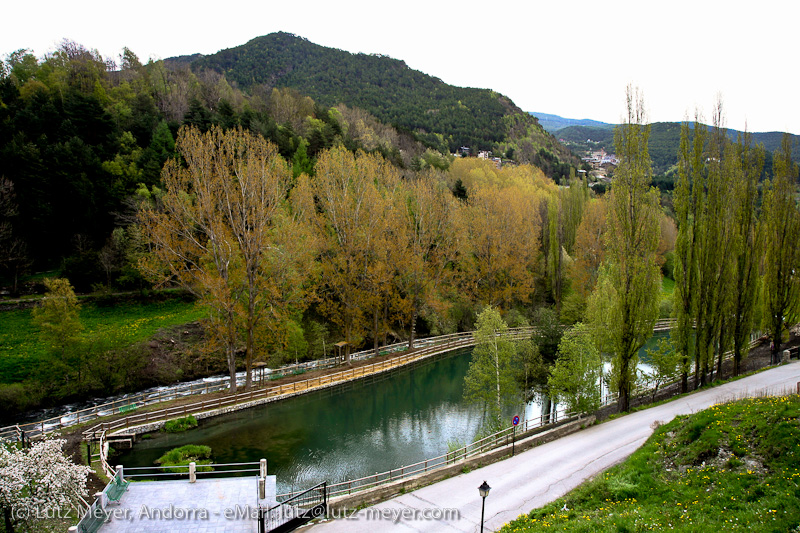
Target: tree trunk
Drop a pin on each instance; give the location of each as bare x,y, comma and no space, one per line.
777,326
685,378
624,386
413,325
9,525
546,410
375,331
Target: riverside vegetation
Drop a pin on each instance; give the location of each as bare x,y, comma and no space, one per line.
295,225
732,467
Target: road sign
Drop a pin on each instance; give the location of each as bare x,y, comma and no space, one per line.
515,420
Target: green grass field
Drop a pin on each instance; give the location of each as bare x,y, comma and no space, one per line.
667,286
125,323
732,467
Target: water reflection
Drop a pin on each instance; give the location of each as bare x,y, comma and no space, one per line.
355,431
407,417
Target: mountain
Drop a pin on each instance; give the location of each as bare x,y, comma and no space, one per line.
554,123
444,116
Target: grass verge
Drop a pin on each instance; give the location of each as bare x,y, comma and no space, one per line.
732,467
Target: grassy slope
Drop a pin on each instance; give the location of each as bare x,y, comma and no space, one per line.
126,323
732,467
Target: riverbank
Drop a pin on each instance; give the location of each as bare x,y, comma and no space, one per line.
541,475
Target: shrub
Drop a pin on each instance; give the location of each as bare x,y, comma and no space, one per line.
191,453
180,424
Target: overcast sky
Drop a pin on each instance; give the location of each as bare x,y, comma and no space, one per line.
572,59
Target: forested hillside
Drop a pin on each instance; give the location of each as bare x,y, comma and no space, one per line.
82,136
442,115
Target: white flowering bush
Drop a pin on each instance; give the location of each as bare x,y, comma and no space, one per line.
39,482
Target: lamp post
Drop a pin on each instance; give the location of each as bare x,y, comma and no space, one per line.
484,492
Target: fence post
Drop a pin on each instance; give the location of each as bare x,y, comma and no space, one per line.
262,468
100,500
192,472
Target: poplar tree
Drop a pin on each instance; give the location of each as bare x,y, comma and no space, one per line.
348,211
221,229
428,235
782,258
747,245
687,196
630,293
714,224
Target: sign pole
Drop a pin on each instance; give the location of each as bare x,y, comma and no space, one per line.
514,422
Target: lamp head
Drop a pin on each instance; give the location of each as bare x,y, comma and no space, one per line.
484,489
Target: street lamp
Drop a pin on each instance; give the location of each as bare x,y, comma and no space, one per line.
484,492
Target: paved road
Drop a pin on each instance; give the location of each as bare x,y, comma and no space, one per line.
545,473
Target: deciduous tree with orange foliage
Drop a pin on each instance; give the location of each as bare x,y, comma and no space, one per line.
222,230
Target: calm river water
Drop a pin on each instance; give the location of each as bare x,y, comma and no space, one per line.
343,434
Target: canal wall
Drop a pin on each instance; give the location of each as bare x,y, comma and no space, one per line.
533,438
368,374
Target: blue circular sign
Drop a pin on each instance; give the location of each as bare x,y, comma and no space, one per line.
515,420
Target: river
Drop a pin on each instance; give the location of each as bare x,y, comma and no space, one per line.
350,432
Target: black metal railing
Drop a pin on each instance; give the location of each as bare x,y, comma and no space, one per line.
298,510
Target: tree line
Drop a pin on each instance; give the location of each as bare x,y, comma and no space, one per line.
81,134
734,264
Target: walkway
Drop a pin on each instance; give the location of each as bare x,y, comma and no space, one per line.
543,474
206,506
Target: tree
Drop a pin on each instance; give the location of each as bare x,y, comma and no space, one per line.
59,323
40,478
589,250
714,225
221,229
575,378
688,199
630,294
490,378
13,250
747,245
346,205
664,361
503,226
782,258
428,235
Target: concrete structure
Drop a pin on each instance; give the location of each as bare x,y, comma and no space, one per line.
206,506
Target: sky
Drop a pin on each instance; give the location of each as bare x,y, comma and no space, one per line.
569,58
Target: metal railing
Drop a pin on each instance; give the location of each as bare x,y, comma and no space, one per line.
501,438
217,470
498,439
295,511
140,400
93,519
427,349
261,379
